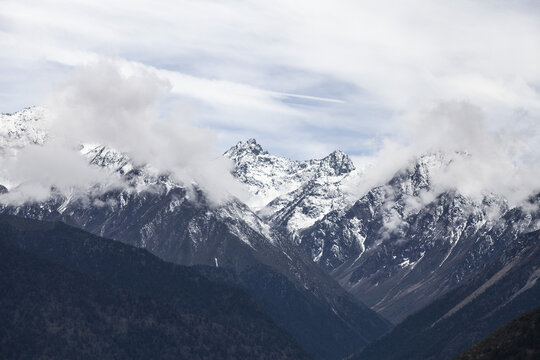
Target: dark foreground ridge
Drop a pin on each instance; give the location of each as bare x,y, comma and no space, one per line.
519,339
69,294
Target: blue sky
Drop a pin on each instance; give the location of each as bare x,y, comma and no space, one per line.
302,77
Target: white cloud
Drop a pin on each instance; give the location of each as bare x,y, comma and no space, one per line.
102,104
475,160
36,171
503,161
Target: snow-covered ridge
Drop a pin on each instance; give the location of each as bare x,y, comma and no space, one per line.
23,128
311,187
387,212
27,127
289,193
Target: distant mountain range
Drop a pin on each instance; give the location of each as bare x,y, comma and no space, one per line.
325,264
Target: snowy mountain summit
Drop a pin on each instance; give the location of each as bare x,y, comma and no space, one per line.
22,128
288,193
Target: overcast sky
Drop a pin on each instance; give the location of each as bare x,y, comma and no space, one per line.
302,77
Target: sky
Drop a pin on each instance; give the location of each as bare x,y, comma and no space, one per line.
376,79
302,77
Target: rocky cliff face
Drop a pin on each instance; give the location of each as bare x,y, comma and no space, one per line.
507,287
405,243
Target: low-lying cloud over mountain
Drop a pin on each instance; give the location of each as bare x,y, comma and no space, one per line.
103,104
478,160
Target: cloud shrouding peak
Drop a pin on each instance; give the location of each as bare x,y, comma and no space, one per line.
102,104
111,104
475,160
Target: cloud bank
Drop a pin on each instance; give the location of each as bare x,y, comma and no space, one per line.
102,103
476,161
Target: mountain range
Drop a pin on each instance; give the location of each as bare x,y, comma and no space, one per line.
333,268
399,246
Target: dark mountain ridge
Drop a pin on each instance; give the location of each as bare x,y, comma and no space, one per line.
296,310
518,339
506,288
50,310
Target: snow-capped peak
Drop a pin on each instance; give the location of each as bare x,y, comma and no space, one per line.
23,128
243,148
293,193
338,162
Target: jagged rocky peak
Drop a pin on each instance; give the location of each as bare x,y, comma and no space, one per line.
335,164
243,148
291,194
32,113
105,156
338,161
23,128
418,174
